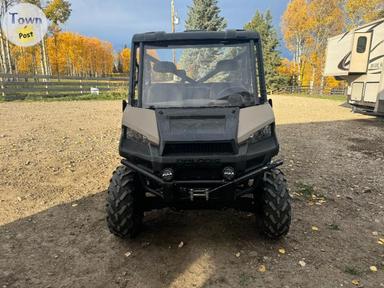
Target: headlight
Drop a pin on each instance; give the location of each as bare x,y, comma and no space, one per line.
135,136
261,134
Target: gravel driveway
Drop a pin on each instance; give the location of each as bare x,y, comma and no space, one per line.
55,162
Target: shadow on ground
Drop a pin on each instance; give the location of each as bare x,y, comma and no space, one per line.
74,248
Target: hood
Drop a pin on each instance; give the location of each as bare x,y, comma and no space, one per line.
201,130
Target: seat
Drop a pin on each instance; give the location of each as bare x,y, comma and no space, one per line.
164,92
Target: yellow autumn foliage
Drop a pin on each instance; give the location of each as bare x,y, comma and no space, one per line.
125,59
307,25
74,54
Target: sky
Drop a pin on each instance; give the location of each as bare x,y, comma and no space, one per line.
117,20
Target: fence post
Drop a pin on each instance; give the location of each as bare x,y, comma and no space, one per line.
46,86
81,86
2,87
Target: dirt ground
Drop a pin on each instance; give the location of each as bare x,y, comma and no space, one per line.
55,164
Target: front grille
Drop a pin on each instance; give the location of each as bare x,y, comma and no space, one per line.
198,148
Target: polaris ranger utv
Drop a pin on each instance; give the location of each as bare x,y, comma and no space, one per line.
198,132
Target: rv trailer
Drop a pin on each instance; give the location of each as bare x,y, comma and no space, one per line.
357,57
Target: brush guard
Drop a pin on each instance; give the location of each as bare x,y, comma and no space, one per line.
167,188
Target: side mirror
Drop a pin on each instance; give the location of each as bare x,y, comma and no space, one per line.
124,103
270,102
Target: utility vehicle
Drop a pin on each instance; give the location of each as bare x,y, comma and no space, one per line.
198,131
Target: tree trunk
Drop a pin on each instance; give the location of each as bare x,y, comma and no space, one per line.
57,55
9,57
311,83
322,84
3,56
34,66
322,78
298,62
2,47
43,53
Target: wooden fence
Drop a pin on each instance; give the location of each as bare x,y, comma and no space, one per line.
311,90
20,87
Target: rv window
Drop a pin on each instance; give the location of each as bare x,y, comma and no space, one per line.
361,44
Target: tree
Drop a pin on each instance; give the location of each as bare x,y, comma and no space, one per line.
358,12
42,44
262,23
287,71
307,25
125,59
296,33
6,57
58,11
380,14
205,15
325,20
79,55
118,67
202,15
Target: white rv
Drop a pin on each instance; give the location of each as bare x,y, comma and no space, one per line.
357,56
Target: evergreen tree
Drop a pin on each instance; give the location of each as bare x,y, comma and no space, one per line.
262,23
205,15
202,15
118,67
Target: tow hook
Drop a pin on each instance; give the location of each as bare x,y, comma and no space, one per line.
199,193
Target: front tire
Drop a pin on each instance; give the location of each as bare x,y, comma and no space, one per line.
124,203
275,205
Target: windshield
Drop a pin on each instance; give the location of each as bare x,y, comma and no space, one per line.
198,76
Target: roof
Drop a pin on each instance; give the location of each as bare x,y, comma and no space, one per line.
196,35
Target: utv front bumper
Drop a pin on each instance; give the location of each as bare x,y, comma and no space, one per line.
202,188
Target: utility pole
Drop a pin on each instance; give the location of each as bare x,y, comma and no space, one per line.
173,27
173,15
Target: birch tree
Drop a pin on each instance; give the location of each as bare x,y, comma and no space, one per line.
6,57
296,33
358,12
325,20
58,12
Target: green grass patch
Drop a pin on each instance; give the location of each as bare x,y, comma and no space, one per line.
334,226
339,98
305,190
101,96
245,280
66,97
352,271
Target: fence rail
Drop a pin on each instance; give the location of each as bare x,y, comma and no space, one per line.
20,86
311,90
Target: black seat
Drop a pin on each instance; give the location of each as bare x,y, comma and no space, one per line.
165,92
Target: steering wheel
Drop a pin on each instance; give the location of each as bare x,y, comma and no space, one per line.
233,90
236,93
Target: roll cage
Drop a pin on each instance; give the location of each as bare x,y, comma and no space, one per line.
139,41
